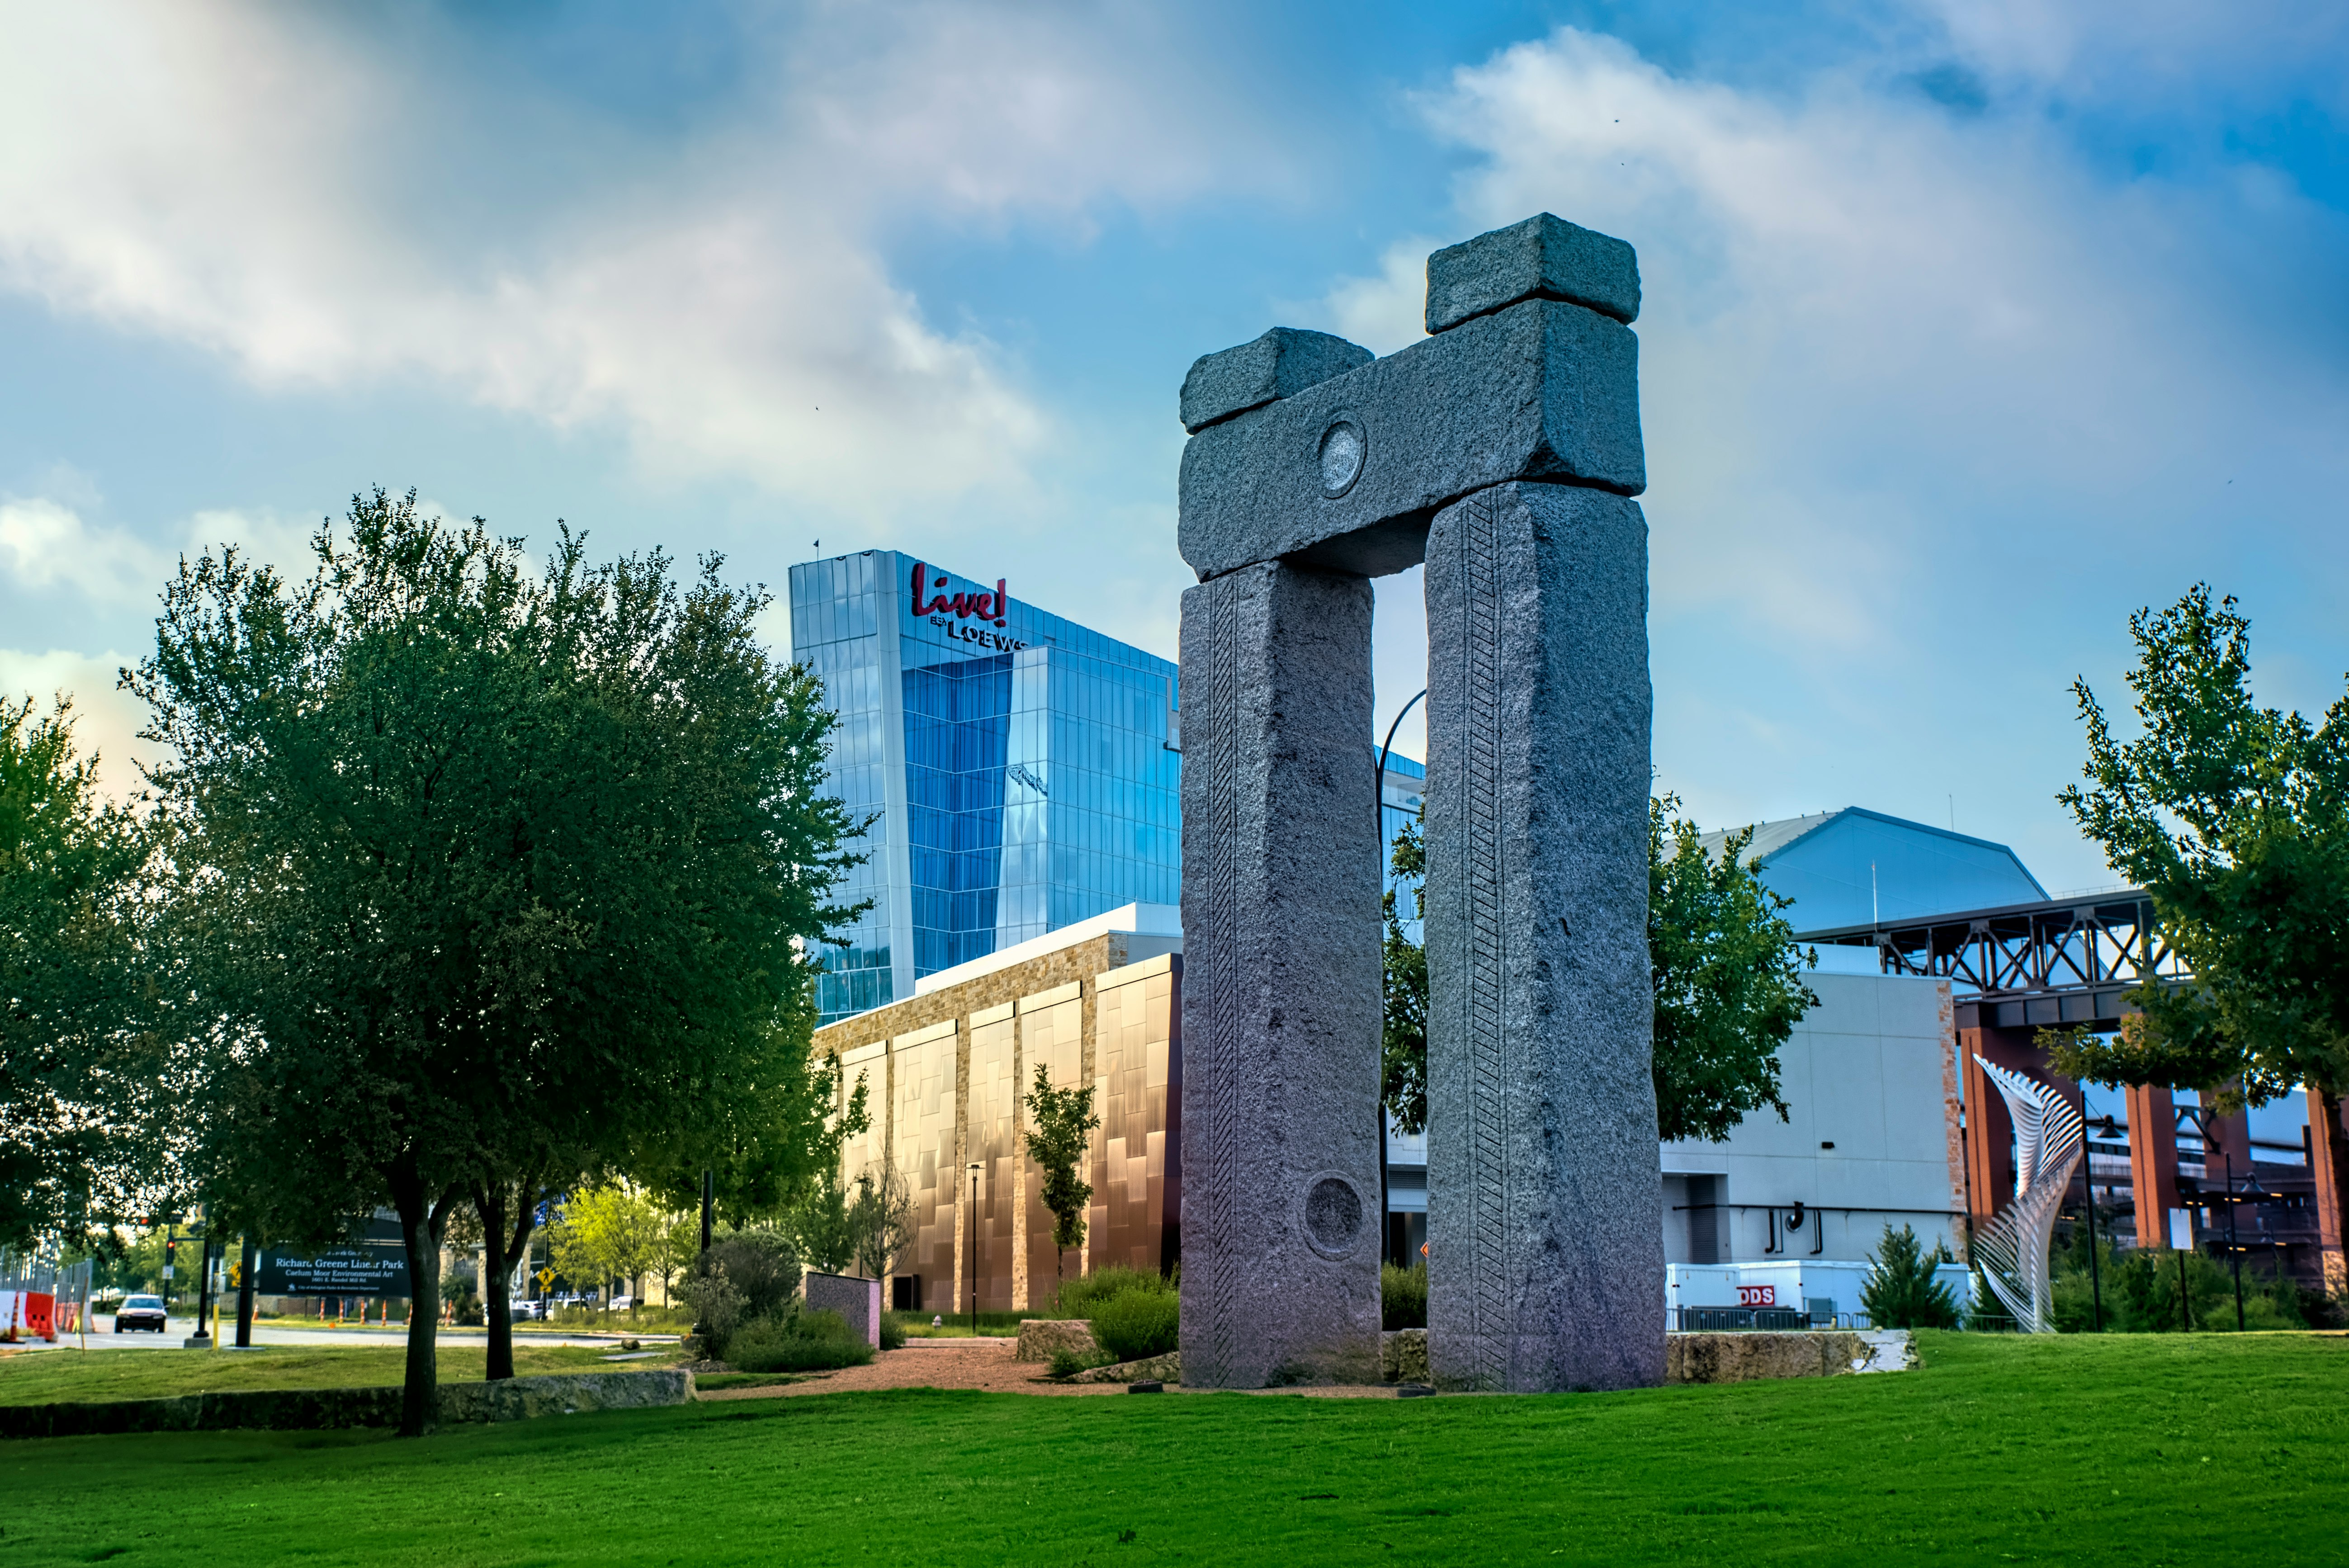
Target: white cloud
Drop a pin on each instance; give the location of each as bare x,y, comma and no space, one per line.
103,720
1861,309
324,208
45,546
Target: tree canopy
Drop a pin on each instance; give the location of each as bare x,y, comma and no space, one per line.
2234,819
495,878
1727,973
85,1081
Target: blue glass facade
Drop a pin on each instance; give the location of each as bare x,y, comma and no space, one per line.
1016,766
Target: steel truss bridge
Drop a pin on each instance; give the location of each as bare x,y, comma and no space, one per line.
2027,965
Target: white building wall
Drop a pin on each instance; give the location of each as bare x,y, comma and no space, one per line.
1871,1071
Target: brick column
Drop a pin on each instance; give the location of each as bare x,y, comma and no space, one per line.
1281,975
2328,1162
1544,1213
2153,1161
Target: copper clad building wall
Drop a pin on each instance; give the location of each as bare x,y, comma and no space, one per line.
1052,1036
948,1074
1134,1042
991,1138
925,1144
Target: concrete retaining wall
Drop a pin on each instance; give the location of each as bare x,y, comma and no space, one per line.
309,1409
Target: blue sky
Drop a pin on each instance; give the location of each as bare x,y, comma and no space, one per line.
1968,329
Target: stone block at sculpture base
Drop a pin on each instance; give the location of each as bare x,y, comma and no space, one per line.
1281,994
858,1302
1545,1210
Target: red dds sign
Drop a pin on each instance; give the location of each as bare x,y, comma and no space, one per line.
1758,1295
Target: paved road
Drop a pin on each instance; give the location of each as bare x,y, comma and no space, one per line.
270,1333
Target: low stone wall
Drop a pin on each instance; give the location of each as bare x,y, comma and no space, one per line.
310,1409
1039,1338
1745,1358
1166,1368
1403,1355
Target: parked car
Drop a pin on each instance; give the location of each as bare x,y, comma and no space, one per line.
623,1303
525,1310
139,1312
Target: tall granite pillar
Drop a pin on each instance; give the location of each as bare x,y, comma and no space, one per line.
1544,1209
1280,994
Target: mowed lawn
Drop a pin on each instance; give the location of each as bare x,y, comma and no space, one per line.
2140,1451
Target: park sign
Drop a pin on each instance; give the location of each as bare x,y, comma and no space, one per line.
374,1264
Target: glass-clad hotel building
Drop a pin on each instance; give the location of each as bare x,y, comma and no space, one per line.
1021,767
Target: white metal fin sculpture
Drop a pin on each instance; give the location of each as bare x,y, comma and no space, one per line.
2013,1248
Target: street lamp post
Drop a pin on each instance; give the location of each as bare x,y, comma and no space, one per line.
1379,816
2095,1273
974,1252
2201,1117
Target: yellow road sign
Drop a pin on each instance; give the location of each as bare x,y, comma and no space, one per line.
547,1276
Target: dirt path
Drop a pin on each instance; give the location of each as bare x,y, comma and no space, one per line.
982,1364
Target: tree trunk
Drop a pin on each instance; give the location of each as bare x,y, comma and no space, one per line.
505,1242
422,1221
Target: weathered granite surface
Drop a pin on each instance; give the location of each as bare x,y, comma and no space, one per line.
1041,1337
1545,257
1541,390
1746,1357
1544,1218
1281,363
1280,996
309,1409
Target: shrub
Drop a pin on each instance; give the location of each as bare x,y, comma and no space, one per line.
810,1342
1403,1297
1901,1292
1138,1323
1068,1363
744,1278
892,1332
1081,1296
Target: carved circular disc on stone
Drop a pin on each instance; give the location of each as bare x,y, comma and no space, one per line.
1334,1215
1343,447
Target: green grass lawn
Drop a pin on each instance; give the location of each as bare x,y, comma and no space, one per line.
2149,1451
51,1377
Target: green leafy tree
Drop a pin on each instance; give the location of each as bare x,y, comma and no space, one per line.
1901,1292
2235,819
882,1219
1728,977
1403,1043
1060,1123
606,1233
492,879
85,1086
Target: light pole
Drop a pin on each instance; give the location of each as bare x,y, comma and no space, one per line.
1379,816
974,1252
2095,1273
2201,1115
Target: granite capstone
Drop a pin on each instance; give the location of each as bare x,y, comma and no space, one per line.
1281,363
1545,1215
1541,390
1545,257
1280,1000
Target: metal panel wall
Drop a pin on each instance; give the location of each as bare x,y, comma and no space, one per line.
1051,1034
925,1143
993,1142
1133,1031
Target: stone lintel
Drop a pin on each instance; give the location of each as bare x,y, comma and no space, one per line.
1280,364
1543,257
1345,475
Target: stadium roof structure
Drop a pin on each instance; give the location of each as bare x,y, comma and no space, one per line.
1858,867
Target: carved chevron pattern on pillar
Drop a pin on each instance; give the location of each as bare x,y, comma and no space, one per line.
1481,868
1218,944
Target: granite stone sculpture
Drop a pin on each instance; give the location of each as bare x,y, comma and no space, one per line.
1501,450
